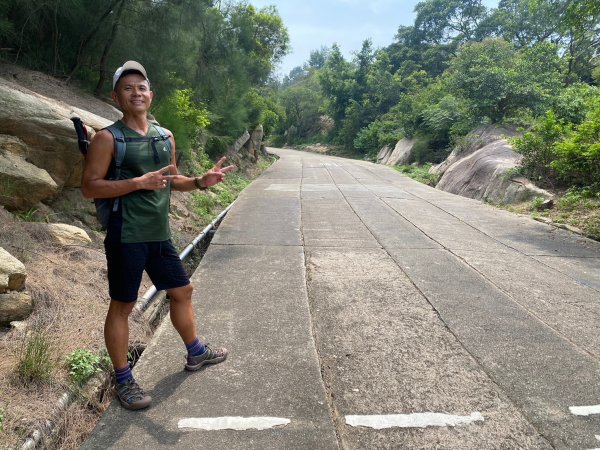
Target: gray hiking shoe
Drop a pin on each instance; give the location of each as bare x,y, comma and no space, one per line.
210,356
132,395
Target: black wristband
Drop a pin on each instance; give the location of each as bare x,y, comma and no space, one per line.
198,185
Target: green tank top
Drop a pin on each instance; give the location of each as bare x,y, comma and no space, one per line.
145,212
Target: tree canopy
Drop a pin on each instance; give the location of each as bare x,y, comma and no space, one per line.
210,52
460,65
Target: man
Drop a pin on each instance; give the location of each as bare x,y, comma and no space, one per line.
138,234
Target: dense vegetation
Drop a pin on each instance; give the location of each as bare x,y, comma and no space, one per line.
530,64
207,60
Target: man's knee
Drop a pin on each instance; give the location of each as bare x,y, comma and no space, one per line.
120,309
181,294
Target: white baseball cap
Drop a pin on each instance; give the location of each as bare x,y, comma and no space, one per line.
128,67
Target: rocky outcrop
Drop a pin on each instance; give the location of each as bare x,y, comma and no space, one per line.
485,174
401,154
253,144
12,272
22,184
42,145
64,234
240,142
475,140
248,144
13,305
384,154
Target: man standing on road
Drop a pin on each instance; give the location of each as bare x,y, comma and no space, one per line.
138,234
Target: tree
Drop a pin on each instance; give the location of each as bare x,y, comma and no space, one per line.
528,22
318,58
499,81
338,83
302,102
581,23
446,21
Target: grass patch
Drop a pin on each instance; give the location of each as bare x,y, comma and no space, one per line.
36,359
209,203
419,173
2,417
28,216
579,208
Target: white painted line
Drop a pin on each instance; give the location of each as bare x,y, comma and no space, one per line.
232,423
416,420
283,187
584,410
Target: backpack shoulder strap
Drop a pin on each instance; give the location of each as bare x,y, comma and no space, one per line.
163,135
120,147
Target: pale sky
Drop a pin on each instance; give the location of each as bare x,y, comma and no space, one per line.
312,24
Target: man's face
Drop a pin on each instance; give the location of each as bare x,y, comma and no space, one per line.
133,93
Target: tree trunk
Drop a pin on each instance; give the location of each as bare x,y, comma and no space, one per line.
107,47
86,41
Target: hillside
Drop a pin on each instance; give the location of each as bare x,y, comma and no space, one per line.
68,286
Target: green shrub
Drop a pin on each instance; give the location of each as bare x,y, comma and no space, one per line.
575,196
426,150
184,117
447,118
578,156
536,204
83,364
204,204
373,137
419,173
575,102
538,148
36,360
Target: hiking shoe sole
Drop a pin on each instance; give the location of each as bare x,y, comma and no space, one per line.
140,404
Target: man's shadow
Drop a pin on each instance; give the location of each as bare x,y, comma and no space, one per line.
117,420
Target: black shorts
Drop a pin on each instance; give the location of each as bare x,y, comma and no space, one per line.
126,262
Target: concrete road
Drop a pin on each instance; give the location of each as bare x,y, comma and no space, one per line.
364,310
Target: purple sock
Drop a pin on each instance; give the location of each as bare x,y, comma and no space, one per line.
123,374
195,348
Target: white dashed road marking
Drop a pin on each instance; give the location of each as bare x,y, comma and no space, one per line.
282,188
584,410
416,420
232,423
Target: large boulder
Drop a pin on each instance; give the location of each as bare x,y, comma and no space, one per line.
401,153
43,126
240,142
485,174
476,139
22,184
384,154
14,306
12,272
253,144
64,234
